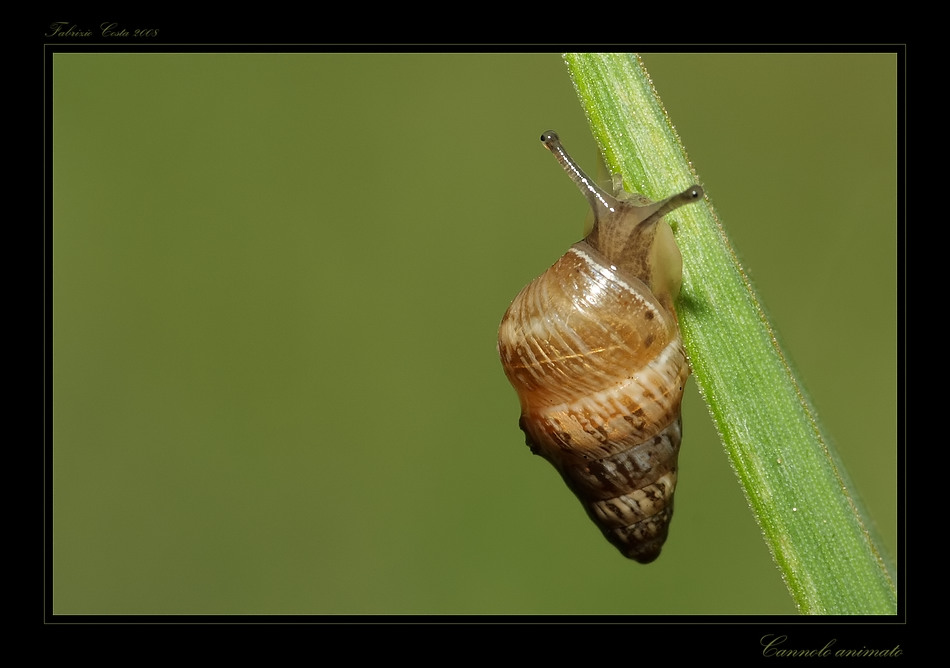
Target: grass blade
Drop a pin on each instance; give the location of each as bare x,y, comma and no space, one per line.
812,521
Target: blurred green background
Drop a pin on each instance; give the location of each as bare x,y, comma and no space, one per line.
277,281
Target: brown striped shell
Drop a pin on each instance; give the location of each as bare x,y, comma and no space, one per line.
593,349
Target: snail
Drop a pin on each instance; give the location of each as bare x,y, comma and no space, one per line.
593,350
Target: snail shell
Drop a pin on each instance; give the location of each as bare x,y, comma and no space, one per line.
593,349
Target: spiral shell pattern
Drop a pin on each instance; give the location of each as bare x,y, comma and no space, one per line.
600,368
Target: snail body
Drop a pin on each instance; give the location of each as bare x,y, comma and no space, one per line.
593,350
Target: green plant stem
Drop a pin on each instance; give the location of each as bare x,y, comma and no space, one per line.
812,522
